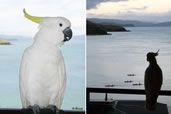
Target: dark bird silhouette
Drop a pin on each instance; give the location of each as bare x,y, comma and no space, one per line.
153,81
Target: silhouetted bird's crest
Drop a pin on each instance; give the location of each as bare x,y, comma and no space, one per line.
153,81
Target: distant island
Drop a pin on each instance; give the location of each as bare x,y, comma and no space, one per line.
102,29
94,29
4,42
129,23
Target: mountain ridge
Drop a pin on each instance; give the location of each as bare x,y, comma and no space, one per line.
129,23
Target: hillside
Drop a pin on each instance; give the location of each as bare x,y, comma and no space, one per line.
113,28
94,29
101,29
164,24
128,23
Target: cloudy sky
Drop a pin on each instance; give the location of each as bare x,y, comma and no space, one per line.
145,10
12,21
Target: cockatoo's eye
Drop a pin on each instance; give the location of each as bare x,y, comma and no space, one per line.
60,24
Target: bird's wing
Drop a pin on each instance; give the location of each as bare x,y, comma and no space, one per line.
62,85
23,78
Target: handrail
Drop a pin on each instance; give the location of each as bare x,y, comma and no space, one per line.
122,91
42,111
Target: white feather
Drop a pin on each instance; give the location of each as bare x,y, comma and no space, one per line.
42,70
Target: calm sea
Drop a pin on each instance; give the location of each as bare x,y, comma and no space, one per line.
10,57
110,58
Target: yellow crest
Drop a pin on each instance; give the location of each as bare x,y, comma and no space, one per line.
32,18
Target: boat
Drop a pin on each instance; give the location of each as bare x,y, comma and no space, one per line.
128,81
131,74
137,84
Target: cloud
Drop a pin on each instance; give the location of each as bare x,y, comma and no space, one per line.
130,15
151,17
147,10
138,9
93,3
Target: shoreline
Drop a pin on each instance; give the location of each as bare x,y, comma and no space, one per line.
4,42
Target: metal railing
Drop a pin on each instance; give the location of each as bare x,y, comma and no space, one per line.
121,91
42,111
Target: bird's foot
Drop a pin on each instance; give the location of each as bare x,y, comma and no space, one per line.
53,108
35,108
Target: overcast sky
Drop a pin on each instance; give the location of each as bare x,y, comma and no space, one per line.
12,21
145,10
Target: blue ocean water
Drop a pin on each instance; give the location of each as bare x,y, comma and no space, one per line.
110,58
10,57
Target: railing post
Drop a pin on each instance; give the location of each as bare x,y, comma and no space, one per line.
87,99
106,97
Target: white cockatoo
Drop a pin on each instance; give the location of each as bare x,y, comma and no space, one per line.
42,78
153,81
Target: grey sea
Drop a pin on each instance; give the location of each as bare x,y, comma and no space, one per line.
10,57
111,58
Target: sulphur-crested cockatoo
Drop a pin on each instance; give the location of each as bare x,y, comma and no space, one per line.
42,71
153,81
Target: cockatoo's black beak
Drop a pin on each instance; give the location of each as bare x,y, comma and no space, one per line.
67,34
